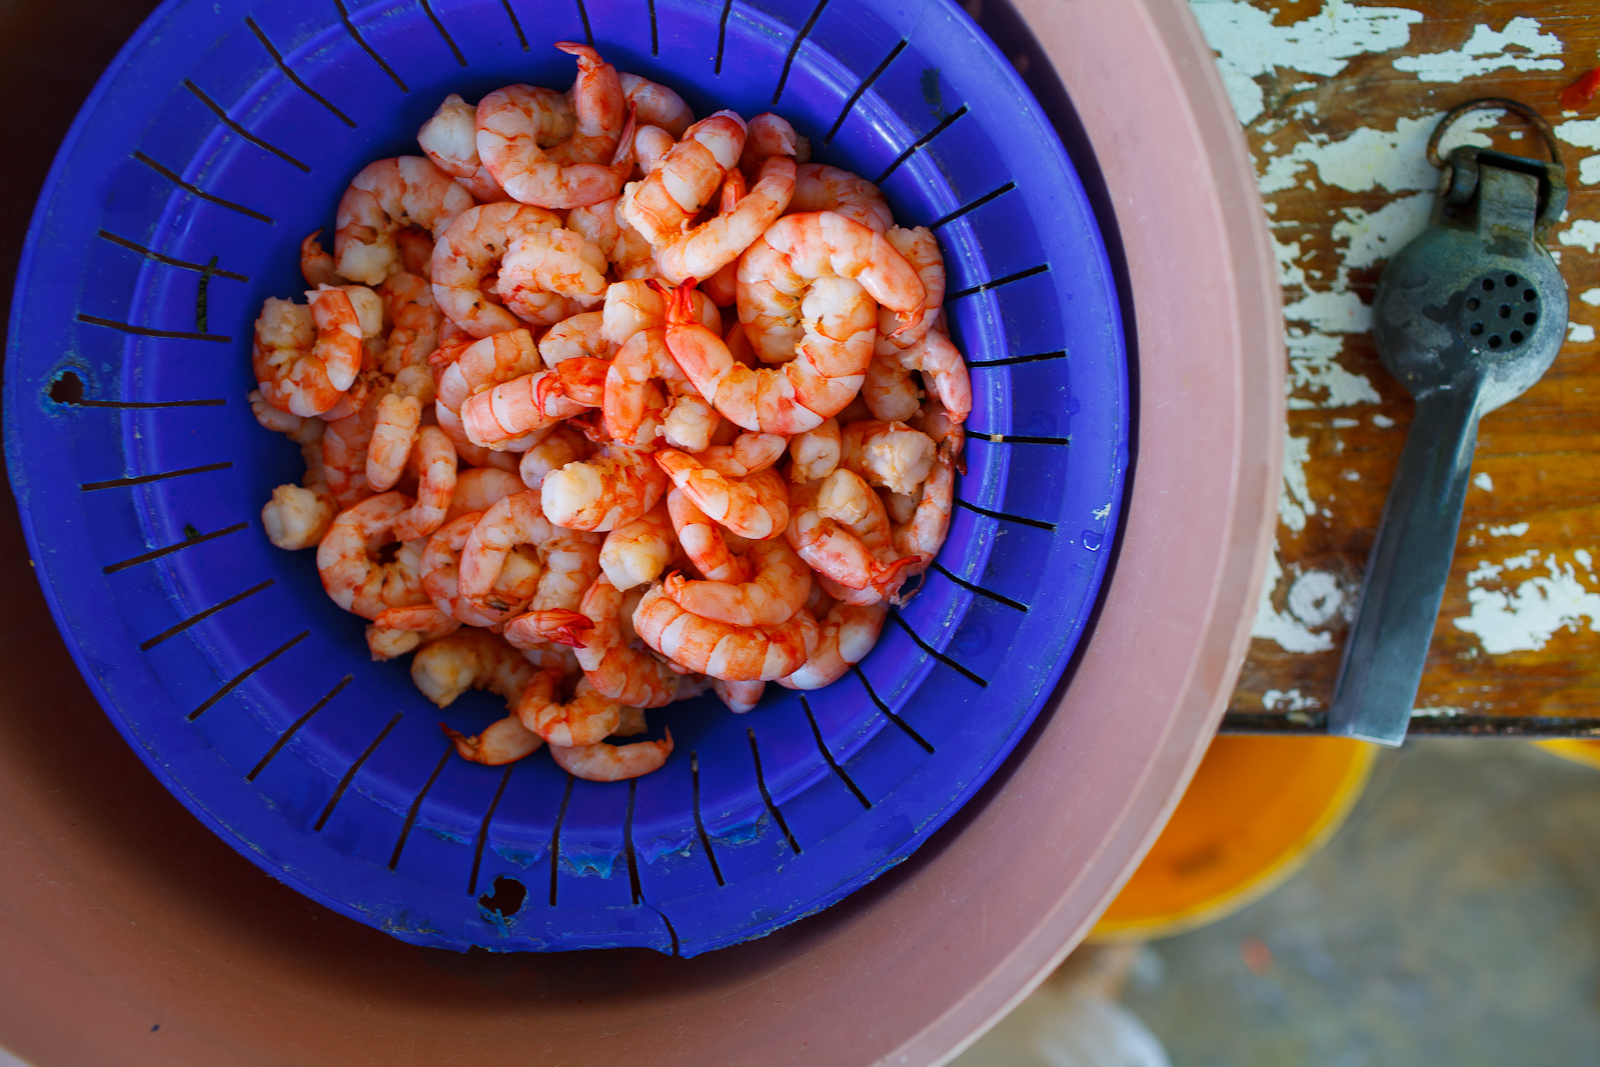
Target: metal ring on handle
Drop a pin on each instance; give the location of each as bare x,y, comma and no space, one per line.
1493,103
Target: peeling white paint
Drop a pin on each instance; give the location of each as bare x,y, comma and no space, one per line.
1484,482
1281,627
1584,233
1289,700
1591,297
1516,529
1525,618
1577,331
1488,50
1584,133
1383,422
1317,598
1294,502
1249,46
1439,711
1371,158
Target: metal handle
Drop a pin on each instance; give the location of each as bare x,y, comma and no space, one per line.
1407,570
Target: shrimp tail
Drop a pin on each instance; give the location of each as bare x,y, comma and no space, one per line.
561,625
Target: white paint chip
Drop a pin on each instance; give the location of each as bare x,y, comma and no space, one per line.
1489,50
1525,618
1288,700
1577,331
1516,529
1249,46
1281,627
1584,233
1383,422
1484,482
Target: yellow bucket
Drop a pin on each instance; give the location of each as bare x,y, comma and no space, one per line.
1577,749
1257,810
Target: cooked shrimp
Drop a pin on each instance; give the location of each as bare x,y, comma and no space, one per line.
749,452
450,139
635,305
569,174
613,763
740,697
844,638
579,335
703,542
503,741
516,520
664,205
636,413
719,649
480,488
944,431
923,534
476,659
545,275
469,251
441,573
717,243
768,135
587,719
889,390
433,459
609,661
755,506
723,286
397,631
301,429
819,187
799,395
624,247
304,358
777,270
608,490
316,265
571,564
347,559
398,420
504,416
656,104
840,528
944,369
414,335
650,146
344,455
563,446
921,249
298,516
385,196
637,552
890,454
815,452
777,589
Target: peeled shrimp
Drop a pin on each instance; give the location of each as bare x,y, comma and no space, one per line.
768,135
613,763
478,488
703,542
890,454
450,139
471,249
301,429
749,452
611,664
503,741
441,572
385,196
797,251
755,506
921,249
509,132
298,516
414,335
624,247
819,187
844,638
637,552
544,275
476,659
664,204
344,454
776,590
587,719
635,305
840,528
563,446
922,535
351,573
397,631
656,105
718,242
825,375
516,520
603,492
433,458
816,452
503,416
304,358
574,337
719,649
398,420
316,265
635,411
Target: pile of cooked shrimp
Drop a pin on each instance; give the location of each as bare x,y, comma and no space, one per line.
602,406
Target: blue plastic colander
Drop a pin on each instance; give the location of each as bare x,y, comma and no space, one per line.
225,132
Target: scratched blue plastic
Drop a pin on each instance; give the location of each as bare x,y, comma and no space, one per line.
358,806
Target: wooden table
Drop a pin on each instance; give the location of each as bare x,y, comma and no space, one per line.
1337,102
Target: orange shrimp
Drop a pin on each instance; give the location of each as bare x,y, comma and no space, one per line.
347,559
703,542
819,187
603,226
504,416
433,458
922,535
719,242
637,552
890,454
479,488
476,659
663,206
441,574
386,196
840,528
304,358
397,631
609,661
587,719
569,174
722,650
416,319
774,592
755,506
656,105
635,411
635,305
768,135
470,250
563,446
608,490
740,697
844,638
816,452
613,763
